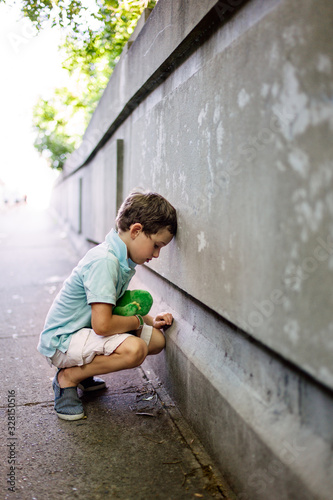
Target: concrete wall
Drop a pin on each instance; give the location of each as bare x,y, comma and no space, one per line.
226,109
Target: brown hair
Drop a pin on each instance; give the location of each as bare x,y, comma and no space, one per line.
149,209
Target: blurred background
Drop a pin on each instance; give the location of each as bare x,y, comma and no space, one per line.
31,67
56,61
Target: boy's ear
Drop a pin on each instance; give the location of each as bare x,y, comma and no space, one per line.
135,230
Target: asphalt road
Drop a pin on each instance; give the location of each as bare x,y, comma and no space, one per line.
134,444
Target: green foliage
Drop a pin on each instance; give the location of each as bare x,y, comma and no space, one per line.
60,12
57,122
95,32
97,45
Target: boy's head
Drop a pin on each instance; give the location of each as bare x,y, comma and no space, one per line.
146,223
151,210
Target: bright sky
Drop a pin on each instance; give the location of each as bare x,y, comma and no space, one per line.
30,66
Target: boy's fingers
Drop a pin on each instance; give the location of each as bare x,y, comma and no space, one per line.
168,319
165,316
163,320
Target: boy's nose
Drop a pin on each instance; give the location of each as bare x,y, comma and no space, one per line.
156,253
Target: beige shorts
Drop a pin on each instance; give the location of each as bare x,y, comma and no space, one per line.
86,344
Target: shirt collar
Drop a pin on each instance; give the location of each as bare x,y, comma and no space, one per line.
119,249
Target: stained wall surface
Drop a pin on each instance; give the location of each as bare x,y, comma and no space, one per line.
239,138
226,109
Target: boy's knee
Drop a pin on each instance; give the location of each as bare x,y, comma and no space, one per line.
135,351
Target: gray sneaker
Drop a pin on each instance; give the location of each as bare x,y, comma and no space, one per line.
67,403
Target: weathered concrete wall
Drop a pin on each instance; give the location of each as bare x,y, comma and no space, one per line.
226,109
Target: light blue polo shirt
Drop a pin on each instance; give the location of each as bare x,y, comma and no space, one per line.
103,275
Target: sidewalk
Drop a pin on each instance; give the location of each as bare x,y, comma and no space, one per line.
133,444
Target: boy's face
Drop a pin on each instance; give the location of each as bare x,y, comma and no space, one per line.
144,248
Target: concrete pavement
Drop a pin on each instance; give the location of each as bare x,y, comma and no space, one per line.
134,443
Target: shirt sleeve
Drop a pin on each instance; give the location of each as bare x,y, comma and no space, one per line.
100,281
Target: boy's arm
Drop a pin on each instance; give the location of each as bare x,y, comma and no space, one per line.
105,323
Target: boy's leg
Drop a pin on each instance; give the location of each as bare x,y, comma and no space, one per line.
131,353
157,342
155,346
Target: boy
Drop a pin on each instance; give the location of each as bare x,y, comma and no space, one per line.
81,336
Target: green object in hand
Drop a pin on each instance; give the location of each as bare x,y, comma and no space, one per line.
134,302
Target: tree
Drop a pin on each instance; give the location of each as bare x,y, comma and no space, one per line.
59,123
95,32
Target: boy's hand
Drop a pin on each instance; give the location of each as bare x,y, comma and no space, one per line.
163,320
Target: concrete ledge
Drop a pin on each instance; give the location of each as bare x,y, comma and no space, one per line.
244,402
